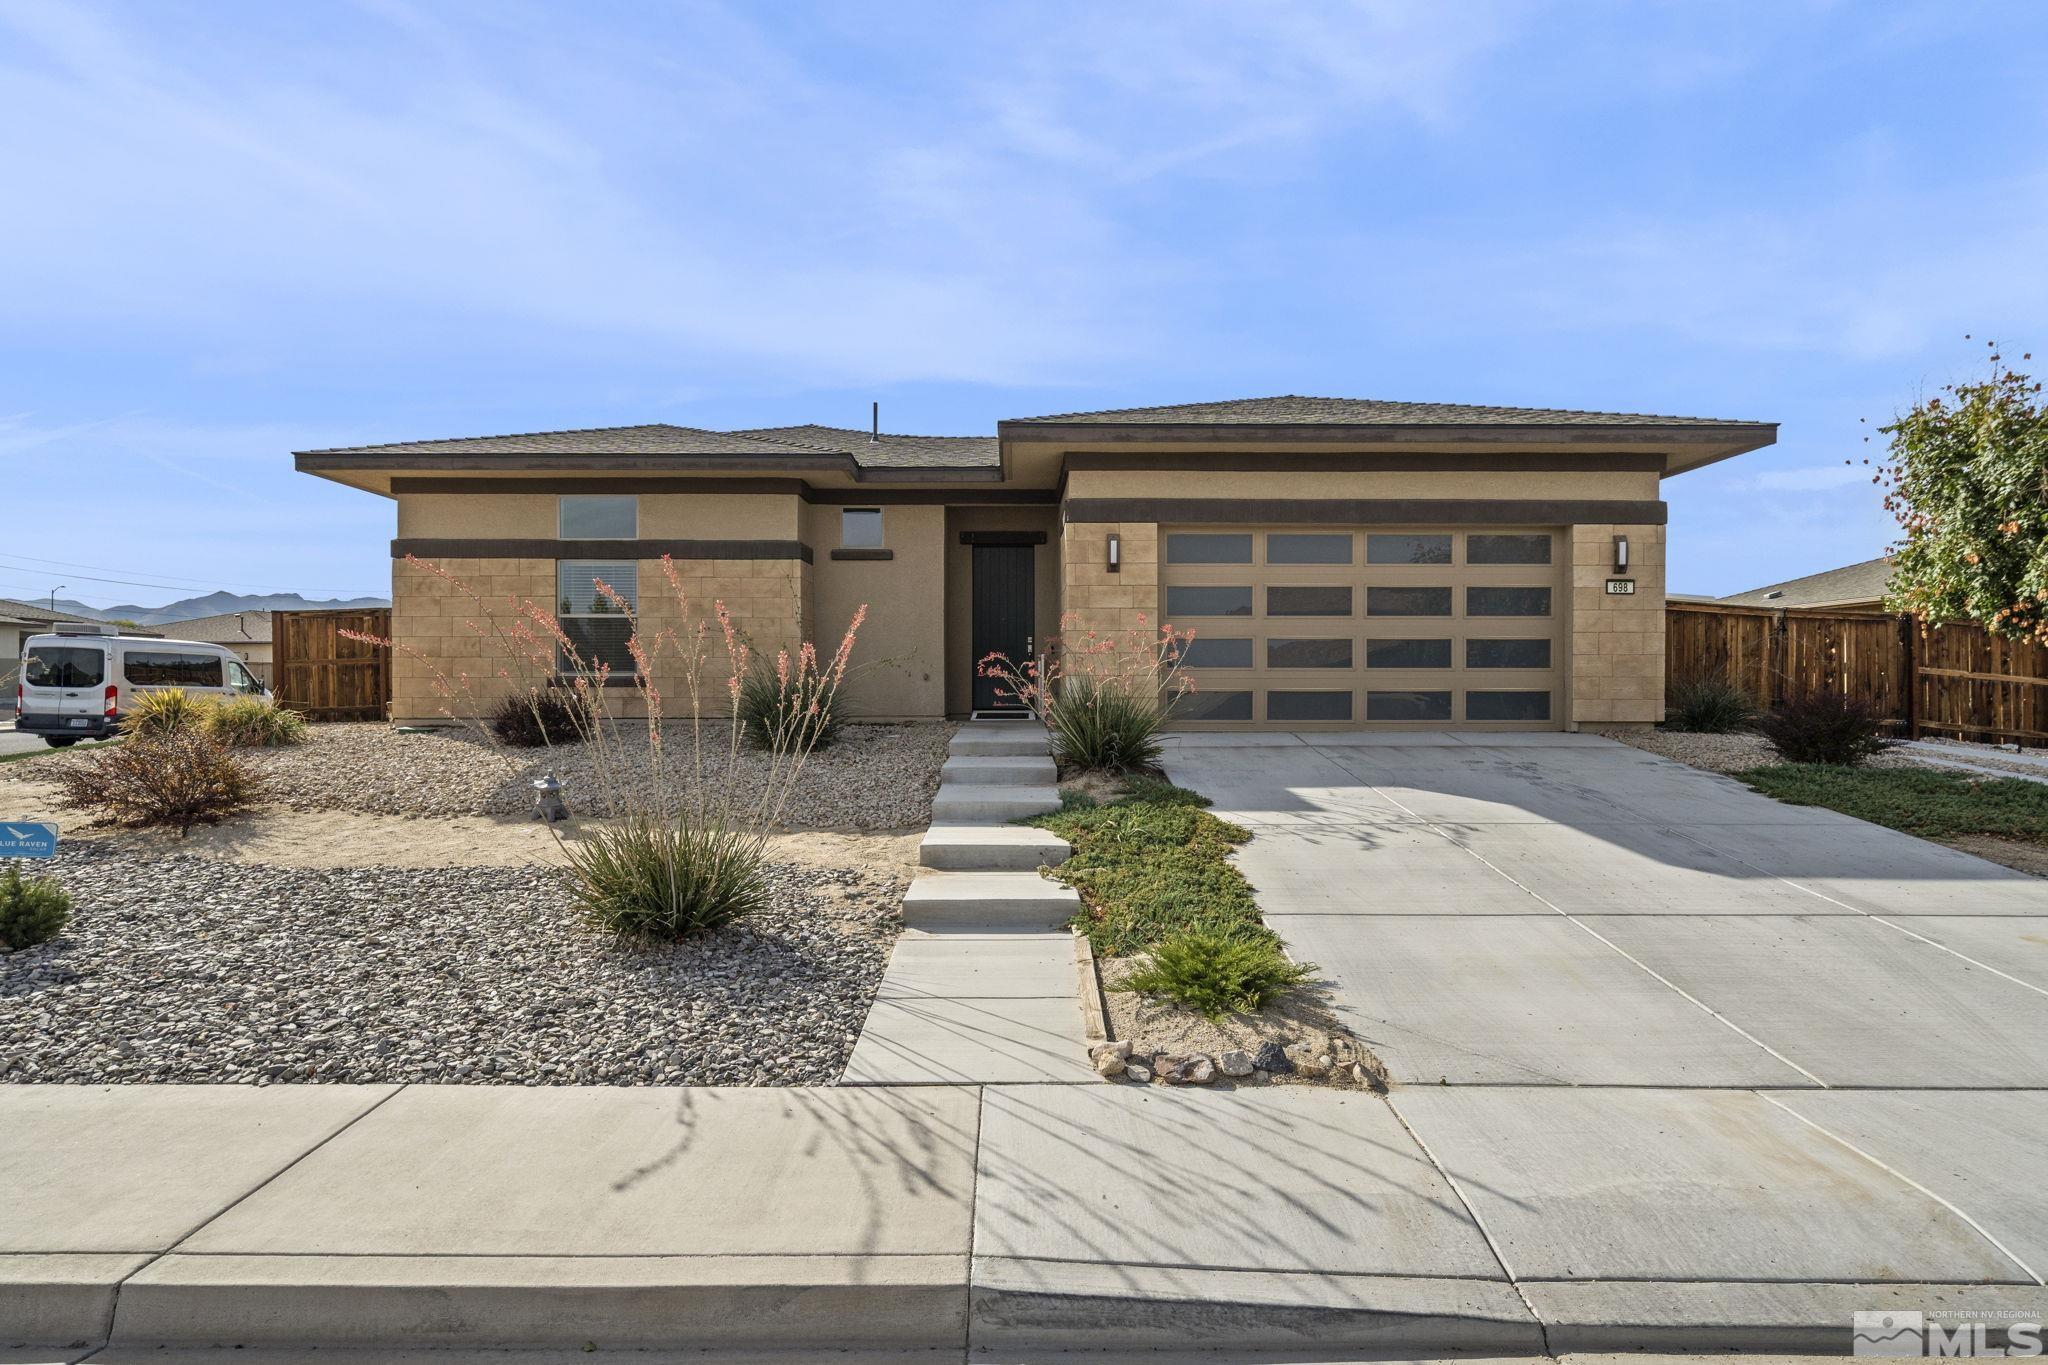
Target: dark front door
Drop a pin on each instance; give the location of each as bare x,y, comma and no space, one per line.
1004,609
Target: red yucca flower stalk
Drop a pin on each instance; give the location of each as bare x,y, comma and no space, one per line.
687,852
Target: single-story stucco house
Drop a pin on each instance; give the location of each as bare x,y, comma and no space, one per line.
1345,563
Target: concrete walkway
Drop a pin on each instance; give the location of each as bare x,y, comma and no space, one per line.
983,985
1004,1223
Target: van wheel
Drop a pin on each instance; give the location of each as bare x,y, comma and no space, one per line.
56,743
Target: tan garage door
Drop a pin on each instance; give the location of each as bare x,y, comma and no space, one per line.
1376,627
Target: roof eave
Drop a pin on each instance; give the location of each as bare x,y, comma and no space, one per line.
1685,446
329,464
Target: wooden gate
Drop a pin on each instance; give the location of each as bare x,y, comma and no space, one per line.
1974,685
325,675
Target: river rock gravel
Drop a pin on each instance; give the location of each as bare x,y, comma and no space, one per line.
182,969
876,777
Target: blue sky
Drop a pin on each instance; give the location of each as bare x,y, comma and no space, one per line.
236,230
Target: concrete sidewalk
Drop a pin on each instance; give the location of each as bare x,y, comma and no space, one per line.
1008,1222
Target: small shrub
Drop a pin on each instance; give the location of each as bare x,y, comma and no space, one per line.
31,911
1218,974
253,723
528,720
1104,726
659,880
181,778
1824,727
800,712
165,711
1707,706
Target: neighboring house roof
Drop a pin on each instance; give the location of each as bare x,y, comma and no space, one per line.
889,449
229,628
1293,409
13,613
1852,583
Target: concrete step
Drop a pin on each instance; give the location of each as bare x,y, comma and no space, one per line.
999,770
970,900
991,848
999,737
957,803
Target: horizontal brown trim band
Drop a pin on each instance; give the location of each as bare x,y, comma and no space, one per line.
935,497
1375,462
458,548
797,488
1002,537
1370,511
863,554
648,464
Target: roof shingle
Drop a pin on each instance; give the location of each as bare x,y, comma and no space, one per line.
1294,409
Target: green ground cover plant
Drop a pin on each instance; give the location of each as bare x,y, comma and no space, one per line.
1933,805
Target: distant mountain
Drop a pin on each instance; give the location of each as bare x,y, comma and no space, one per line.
214,604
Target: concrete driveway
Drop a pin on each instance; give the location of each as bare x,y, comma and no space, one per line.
1566,910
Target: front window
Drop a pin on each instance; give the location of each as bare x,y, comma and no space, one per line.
171,668
240,678
602,516
65,666
598,626
860,528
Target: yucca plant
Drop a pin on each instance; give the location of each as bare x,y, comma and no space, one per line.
787,710
690,852
1707,705
1103,696
253,723
534,718
166,711
1105,726
651,879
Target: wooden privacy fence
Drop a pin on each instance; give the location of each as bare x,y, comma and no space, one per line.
321,673
1948,680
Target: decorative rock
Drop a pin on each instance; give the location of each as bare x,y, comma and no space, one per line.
1343,1052
1272,1057
1139,1072
1235,1062
1195,1070
1308,1061
1364,1077
1108,1061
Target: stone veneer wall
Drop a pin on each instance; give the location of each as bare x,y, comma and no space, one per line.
429,624
1617,643
1098,600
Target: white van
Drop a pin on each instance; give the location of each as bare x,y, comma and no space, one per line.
73,684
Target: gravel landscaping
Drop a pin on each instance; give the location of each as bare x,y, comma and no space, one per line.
183,969
875,777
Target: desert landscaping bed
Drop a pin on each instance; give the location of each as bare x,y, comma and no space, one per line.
876,777
185,969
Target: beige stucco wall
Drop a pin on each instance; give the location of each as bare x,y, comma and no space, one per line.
899,659
1046,589
1141,483
1617,654
663,516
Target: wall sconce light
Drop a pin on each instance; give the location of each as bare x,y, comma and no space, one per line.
1116,553
1621,554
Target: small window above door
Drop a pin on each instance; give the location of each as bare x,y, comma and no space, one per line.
860,528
